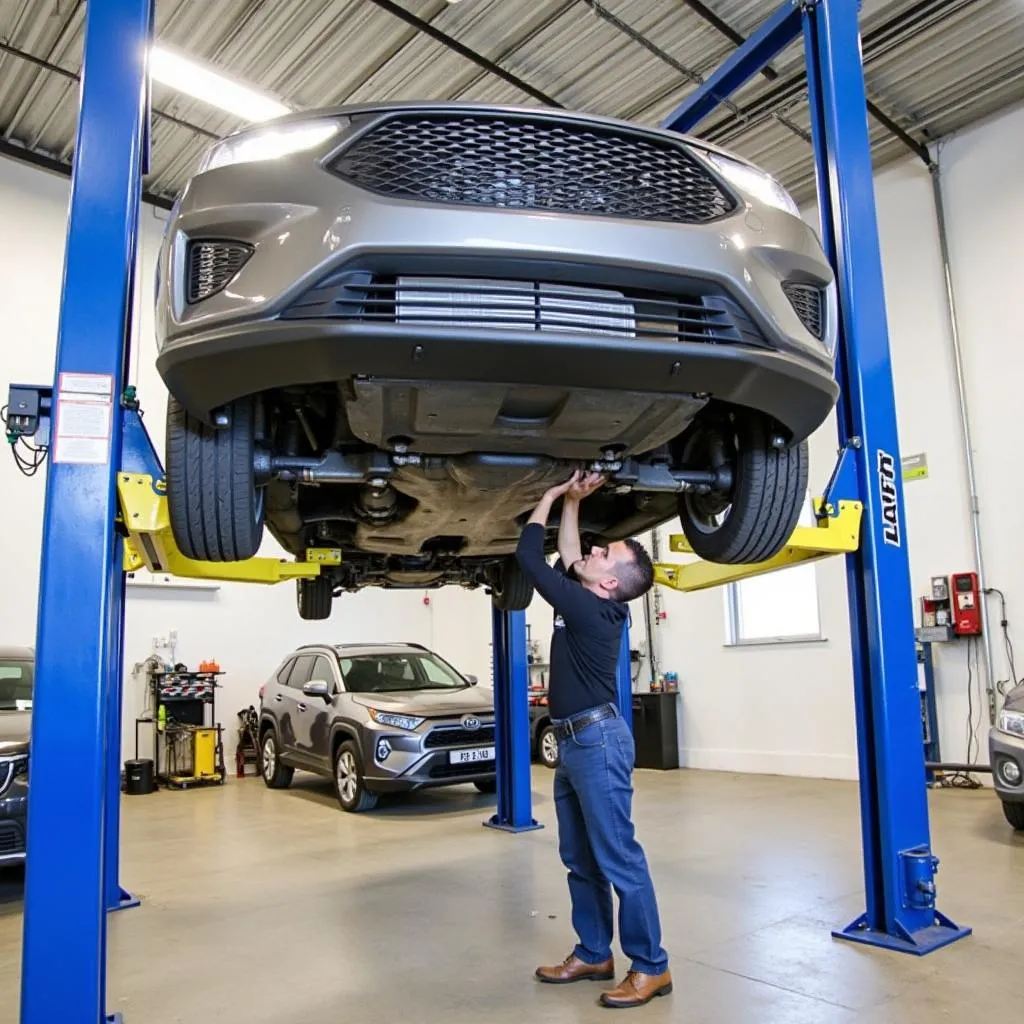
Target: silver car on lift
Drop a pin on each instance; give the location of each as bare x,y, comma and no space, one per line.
376,718
387,329
17,670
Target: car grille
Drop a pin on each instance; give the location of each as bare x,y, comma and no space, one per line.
808,301
458,737
212,265
533,163
12,839
480,304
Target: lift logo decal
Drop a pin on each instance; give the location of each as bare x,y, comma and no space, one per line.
890,500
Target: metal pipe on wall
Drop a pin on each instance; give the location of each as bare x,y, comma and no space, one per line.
966,437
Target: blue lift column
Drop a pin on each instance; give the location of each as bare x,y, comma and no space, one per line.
624,679
511,723
78,606
899,867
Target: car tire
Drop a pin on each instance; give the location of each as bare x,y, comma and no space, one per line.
487,785
547,747
349,783
276,775
511,589
315,597
1014,813
769,487
215,507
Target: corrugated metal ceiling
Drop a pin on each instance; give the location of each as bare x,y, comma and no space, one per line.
933,66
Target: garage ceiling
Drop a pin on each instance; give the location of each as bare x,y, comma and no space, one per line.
933,66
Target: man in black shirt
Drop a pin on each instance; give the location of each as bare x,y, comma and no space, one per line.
593,787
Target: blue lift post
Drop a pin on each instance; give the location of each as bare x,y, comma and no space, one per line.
79,607
899,867
512,723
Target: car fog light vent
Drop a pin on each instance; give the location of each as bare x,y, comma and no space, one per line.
1011,773
808,302
212,265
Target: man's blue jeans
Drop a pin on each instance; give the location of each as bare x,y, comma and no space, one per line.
593,799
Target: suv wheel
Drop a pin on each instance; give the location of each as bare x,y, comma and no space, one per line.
1014,813
215,508
315,597
487,785
547,747
769,486
276,774
511,589
348,780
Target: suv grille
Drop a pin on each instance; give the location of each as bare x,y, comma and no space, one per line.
452,771
212,265
808,302
494,305
11,838
533,163
457,737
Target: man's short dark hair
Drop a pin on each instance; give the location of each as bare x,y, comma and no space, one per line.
635,574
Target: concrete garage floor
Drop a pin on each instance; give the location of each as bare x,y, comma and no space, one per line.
276,908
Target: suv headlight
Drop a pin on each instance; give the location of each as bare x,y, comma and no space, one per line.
269,143
757,183
408,722
1012,721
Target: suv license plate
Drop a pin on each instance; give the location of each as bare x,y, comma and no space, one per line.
471,756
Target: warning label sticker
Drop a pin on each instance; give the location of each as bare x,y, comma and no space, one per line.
84,419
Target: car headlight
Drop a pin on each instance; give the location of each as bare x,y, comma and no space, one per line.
1012,721
269,143
759,184
408,722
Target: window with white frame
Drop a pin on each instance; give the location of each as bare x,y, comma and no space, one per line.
777,607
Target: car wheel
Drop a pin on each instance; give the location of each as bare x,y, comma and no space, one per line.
276,774
487,785
1014,814
511,589
769,486
547,747
315,597
216,509
348,780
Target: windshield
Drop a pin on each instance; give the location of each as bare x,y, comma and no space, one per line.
15,685
405,670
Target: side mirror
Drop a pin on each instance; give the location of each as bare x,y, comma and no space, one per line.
317,688
472,680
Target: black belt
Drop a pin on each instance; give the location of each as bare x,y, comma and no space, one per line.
563,730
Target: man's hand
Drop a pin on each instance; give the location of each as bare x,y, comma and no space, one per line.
583,487
552,494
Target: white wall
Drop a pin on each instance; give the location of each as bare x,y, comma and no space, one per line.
248,629
789,708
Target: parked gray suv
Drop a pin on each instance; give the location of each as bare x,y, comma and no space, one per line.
387,329
375,718
1006,755
17,666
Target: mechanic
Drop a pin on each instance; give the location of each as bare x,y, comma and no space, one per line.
593,783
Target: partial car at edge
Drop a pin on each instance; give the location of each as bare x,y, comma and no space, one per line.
17,670
1006,755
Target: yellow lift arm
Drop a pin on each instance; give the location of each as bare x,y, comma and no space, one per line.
837,532
150,542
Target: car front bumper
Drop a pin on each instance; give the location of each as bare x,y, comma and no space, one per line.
235,342
1006,747
13,822
413,761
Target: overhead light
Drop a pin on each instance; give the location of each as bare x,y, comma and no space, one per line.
203,83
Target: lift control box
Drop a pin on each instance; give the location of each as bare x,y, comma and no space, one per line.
966,603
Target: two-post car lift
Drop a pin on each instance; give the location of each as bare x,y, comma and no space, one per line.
72,879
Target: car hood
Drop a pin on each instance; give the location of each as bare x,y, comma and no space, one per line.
15,728
431,703
1015,699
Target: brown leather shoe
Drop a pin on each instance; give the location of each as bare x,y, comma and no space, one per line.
572,968
636,990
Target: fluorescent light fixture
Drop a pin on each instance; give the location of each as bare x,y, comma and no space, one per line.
203,83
